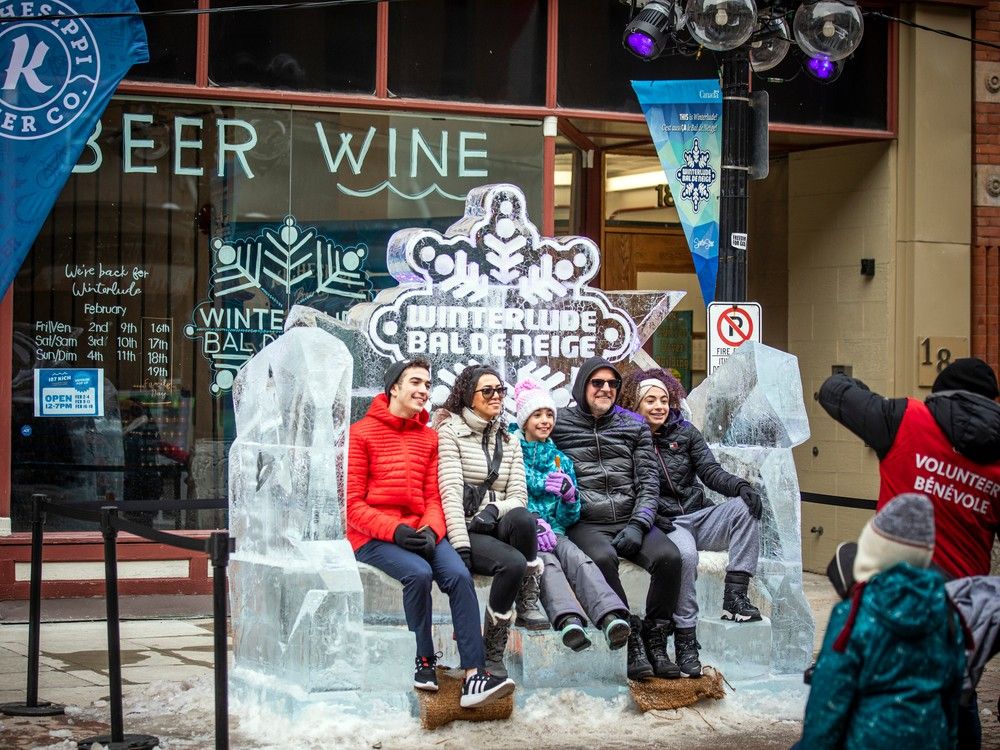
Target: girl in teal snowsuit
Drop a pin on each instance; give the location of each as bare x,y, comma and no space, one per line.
573,587
890,672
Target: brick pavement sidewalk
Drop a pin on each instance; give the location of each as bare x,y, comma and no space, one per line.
73,672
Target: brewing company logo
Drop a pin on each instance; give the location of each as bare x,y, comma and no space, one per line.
257,279
696,176
491,290
49,69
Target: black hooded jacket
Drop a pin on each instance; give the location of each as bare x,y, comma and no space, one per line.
969,421
616,469
684,457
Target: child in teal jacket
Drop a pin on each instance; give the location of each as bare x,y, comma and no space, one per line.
890,672
572,584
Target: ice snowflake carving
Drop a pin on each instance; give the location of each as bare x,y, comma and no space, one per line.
256,280
696,176
492,290
494,244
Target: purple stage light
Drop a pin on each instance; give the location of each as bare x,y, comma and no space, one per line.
641,44
822,67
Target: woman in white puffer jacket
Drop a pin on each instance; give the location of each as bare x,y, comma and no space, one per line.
481,478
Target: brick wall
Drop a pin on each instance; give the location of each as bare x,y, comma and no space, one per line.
986,199
986,214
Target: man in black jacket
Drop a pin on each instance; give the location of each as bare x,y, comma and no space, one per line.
617,482
947,447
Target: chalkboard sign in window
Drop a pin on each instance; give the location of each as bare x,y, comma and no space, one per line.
173,254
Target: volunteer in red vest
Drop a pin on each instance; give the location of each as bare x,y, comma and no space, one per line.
946,447
395,523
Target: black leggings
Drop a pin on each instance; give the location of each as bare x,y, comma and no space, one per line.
505,555
657,555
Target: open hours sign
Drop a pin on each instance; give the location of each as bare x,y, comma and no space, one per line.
730,324
69,393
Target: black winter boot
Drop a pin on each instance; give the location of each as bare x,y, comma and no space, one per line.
655,634
639,667
496,628
686,650
529,613
735,604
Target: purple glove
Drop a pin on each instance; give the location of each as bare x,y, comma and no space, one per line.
546,539
560,484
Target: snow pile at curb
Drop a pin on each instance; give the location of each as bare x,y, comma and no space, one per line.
181,714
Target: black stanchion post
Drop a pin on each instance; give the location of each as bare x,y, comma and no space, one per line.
219,551
108,515
31,706
117,740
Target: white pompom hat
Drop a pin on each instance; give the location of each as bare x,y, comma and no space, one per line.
530,396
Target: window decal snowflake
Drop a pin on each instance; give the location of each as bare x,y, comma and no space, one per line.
255,280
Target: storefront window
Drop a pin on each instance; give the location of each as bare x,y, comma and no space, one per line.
173,254
172,43
472,52
314,49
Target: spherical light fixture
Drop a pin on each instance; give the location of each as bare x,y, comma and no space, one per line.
830,29
769,44
646,35
721,24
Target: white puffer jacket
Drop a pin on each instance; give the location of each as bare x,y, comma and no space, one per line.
461,461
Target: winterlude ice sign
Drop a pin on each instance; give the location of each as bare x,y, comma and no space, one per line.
491,290
255,281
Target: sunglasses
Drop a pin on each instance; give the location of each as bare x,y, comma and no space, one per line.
600,383
489,390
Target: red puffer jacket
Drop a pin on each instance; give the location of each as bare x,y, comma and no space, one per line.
392,476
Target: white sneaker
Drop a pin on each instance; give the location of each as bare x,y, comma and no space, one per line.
483,687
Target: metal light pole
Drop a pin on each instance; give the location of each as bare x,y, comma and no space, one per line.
731,282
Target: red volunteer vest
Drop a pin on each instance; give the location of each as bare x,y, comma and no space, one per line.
966,495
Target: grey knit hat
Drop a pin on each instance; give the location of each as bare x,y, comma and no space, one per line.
903,531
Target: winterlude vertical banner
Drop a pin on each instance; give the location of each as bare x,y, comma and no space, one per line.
685,120
59,66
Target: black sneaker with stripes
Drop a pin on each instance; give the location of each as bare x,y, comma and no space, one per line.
425,676
484,687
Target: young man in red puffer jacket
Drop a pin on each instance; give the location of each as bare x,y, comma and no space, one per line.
395,523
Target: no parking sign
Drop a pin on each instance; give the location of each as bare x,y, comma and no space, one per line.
730,324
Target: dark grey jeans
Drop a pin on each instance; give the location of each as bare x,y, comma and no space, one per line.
572,584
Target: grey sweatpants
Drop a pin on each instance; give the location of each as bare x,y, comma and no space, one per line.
726,526
572,584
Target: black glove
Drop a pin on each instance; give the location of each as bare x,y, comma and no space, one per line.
418,542
466,555
752,498
402,534
485,521
431,537
629,539
664,524
423,543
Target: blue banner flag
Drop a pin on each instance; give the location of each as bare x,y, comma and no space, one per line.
685,120
57,73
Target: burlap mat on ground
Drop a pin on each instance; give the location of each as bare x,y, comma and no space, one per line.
437,709
655,694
